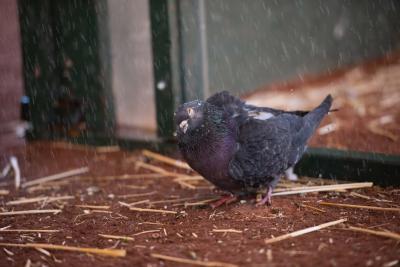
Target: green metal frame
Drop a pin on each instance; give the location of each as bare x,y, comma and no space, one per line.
60,43
161,45
379,168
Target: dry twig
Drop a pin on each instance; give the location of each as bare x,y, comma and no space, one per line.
93,207
322,188
56,176
311,207
227,231
358,206
120,237
138,195
29,231
165,159
146,232
4,192
28,212
376,128
200,203
104,252
152,210
303,231
373,232
38,199
107,149
141,164
193,262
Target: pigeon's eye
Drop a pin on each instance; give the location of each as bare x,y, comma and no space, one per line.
190,112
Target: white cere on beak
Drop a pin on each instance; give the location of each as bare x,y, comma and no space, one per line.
184,125
190,112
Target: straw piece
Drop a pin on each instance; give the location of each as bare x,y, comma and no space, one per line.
303,231
358,206
354,194
193,262
120,237
56,176
227,231
152,223
375,127
4,192
152,210
138,194
200,203
139,202
165,159
45,252
104,252
132,176
190,178
141,164
146,232
173,200
124,204
93,207
322,188
107,149
373,232
136,186
311,207
185,184
26,212
38,199
29,231
17,171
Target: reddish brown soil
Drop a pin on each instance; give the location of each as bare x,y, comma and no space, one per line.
188,234
355,135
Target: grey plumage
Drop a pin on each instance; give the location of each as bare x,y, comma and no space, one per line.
242,148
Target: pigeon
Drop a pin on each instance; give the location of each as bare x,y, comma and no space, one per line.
241,148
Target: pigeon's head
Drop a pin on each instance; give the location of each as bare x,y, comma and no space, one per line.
190,116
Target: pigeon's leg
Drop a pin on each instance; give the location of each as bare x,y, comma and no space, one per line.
267,198
224,200
290,175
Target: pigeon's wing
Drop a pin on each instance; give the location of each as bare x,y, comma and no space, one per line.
273,111
234,106
229,103
264,149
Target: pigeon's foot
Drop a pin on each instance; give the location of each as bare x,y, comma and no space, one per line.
267,198
224,200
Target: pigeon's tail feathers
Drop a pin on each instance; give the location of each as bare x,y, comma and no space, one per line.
312,120
315,117
310,123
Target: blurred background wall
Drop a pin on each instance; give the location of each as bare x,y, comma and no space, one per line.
132,64
242,45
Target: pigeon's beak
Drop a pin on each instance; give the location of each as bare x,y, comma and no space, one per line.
184,125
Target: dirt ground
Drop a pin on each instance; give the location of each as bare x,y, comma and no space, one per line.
188,233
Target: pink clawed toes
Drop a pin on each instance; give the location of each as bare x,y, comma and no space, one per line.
224,200
267,198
